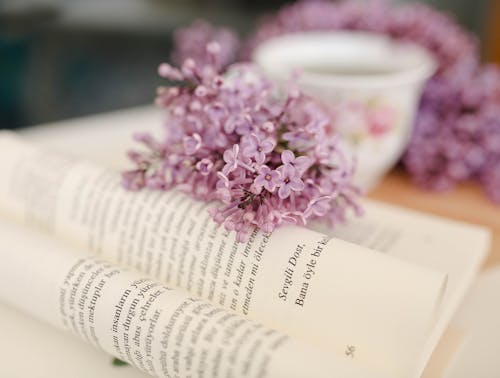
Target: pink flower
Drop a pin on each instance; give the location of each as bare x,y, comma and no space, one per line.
167,71
237,122
222,188
201,91
254,147
231,159
192,144
318,206
207,44
213,48
381,120
204,166
268,127
267,179
133,180
301,163
289,181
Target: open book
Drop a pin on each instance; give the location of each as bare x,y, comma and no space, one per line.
193,302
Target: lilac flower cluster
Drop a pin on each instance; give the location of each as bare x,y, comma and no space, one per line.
455,133
483,95
269,157
190,42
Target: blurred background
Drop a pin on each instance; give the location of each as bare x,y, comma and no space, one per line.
67,58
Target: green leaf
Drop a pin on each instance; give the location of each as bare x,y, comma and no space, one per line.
118,362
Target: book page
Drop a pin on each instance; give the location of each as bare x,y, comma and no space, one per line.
161,331
364,306
449,246
53,353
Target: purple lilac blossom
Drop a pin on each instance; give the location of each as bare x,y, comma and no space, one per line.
267,179
290,181
225,139
191,42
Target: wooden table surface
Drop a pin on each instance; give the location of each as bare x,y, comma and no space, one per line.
465,203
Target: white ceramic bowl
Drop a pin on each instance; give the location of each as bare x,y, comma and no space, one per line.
372,85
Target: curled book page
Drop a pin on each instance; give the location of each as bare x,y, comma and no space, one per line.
364,306
457,248
162,331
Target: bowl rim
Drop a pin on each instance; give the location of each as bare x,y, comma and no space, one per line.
424,67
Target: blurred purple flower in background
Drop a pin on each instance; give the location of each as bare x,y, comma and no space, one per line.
191,42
